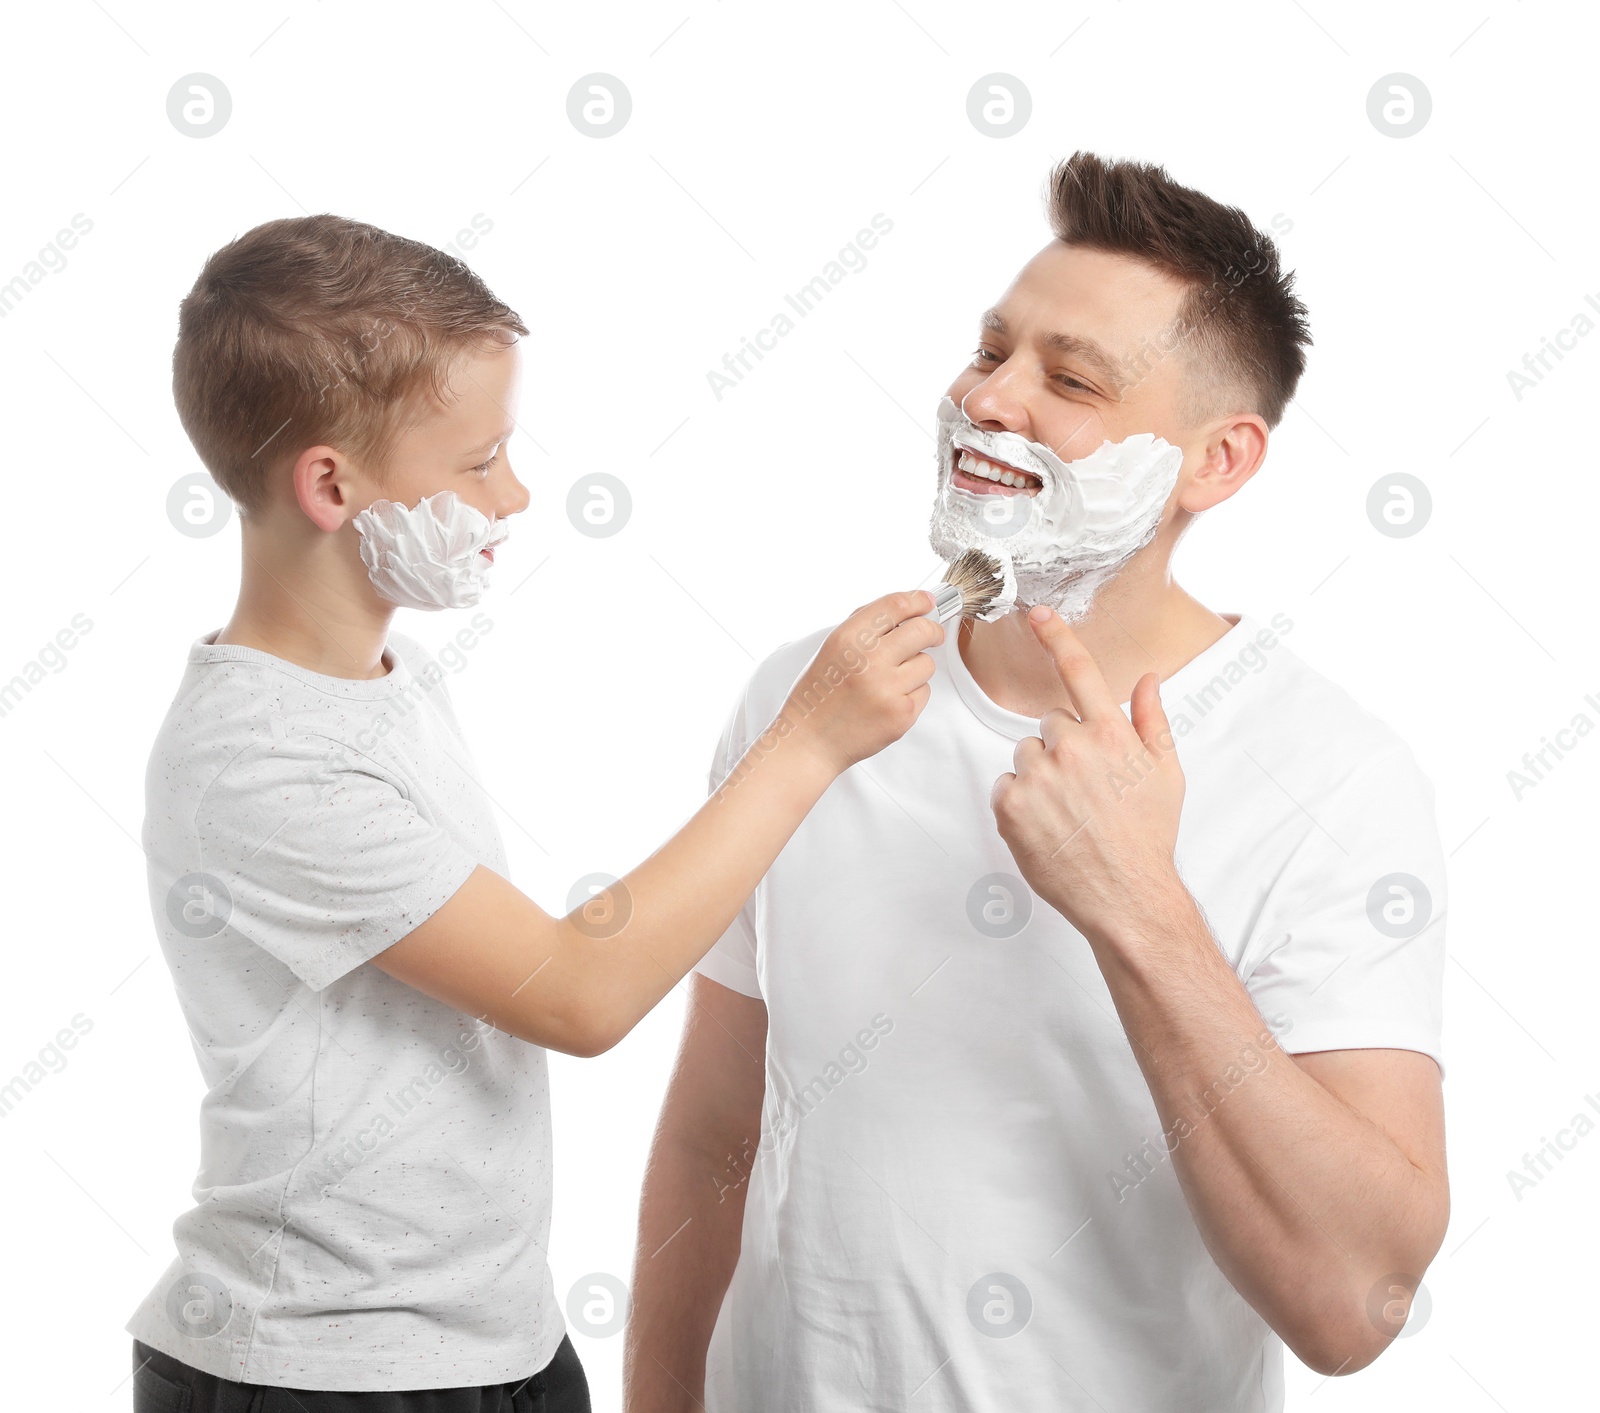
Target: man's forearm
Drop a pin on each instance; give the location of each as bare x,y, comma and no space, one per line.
689,1218
1303,1203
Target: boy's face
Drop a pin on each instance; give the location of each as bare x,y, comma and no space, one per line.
460,448
1072,356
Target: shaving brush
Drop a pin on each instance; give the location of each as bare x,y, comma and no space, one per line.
972,581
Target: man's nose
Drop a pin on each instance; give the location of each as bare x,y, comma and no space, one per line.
992,406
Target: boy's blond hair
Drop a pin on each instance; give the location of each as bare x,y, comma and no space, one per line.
318,329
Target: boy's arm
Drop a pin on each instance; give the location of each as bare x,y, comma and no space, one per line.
573,986
693,1200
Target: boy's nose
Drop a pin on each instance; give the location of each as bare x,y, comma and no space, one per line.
514,498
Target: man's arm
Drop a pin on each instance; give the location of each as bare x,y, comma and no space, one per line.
1317,1183
693,1199
580,983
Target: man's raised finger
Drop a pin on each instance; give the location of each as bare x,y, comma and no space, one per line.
1079,673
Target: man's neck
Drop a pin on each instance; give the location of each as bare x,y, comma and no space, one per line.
1132,628
303,603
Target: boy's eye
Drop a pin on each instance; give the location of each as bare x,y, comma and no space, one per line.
483,470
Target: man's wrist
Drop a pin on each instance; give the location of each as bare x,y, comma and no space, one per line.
1161,911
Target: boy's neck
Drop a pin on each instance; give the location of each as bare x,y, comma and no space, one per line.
1132,628
299,601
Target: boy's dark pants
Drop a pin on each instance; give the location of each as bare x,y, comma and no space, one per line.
163,1385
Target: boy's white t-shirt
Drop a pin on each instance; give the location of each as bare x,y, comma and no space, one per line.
372,1208
961,1200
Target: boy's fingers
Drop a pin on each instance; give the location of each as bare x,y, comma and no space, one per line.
905,605
912,637
914,672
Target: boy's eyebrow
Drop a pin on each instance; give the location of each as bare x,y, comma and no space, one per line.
1076,344
492,442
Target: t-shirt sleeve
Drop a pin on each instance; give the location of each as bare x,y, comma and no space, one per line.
1349,952
324,859
732,960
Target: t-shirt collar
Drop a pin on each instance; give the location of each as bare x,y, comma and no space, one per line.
1019,727
206,650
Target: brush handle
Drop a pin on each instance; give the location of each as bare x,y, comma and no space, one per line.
947,603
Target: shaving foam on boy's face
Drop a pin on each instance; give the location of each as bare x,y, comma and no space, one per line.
1063,527
435,554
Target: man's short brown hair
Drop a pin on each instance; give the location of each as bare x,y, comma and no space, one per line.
1243,331
318,329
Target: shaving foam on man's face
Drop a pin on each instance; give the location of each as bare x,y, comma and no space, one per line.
435,554
1064,527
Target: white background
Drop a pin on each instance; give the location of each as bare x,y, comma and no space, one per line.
761,140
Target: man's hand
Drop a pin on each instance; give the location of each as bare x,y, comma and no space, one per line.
1091,812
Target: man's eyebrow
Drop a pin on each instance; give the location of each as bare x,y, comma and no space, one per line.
1074,344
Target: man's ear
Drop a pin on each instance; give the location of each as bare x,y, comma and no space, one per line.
1232,451
322,486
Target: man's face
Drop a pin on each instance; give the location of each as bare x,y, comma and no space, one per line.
1062,448
1072,356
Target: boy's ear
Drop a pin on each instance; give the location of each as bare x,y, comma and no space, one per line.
322,487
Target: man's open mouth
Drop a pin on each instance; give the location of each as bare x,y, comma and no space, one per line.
984,476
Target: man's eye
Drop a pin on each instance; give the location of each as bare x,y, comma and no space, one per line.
979,354
1072,382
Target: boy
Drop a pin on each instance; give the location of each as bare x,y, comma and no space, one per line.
328,880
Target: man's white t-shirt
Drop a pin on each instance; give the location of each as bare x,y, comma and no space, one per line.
372,1207
962,1198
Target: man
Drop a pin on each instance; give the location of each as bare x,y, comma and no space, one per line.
1082,1049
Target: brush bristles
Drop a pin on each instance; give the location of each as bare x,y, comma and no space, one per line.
980,579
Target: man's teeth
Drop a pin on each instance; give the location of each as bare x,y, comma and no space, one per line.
977,466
